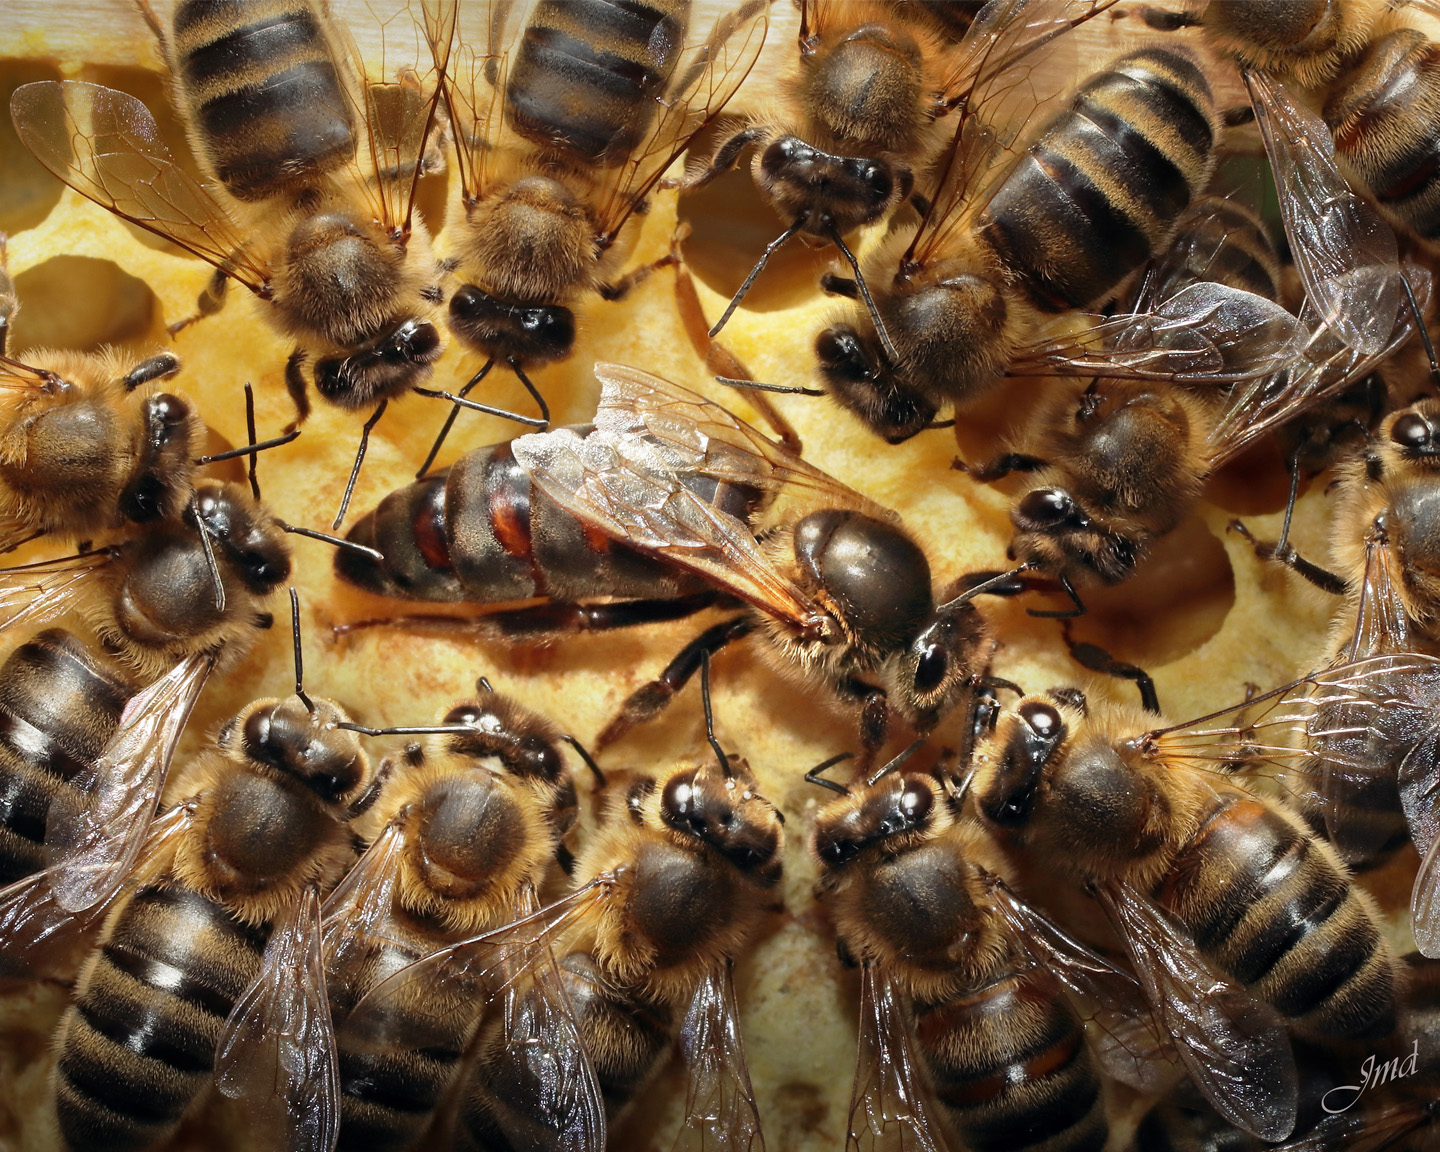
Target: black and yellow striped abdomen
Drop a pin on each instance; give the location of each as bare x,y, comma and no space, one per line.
1101,188
264,91
1009,1063
587,73
60,703
1268,903
138,1045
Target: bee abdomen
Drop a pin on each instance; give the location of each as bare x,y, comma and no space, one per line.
267,96
1271,908
1224,243
1386,120
138,1046
1102,187
60,703
588,71
1010,1063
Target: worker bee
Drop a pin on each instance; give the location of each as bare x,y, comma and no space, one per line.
839,593
669,892
60,704
559,140
319,170
1174,852
915,893
224,906
856,122
470,829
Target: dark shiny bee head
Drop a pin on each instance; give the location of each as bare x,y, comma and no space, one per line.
529,334
304,745
726,813
893,815
1415,432
1055,533
861,381
384,367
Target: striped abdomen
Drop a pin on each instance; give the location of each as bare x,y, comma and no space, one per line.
1222,242
264,93
1009,1063
1385,116
1269,904
60,703
138,1045
1101,189
479,532
588,72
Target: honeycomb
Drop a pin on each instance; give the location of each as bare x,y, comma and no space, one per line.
1205,617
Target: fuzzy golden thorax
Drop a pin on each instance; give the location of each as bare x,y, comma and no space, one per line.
698,857
1309,40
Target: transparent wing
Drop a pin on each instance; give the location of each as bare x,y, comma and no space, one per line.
39,937
36,593
472,58
1001,84
436,1000
645,476
543,1072
356,915
1204,334
1124,1038
1425,904
94,833
1327,366
706,75
1235,1048
277,1049
719,1102
19,381
1346,254
888,1110
106,145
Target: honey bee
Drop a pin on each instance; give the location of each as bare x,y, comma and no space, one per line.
60,705
838,592
914,891
669,892
559,140
856,122
197,965
470,829
1203,879
319,170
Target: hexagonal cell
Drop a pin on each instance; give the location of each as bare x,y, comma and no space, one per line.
28,192
81,303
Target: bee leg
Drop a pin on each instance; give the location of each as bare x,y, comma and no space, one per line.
721,361
296,386
621,288
211,300
725,158
651,699
1283,552
999,468
1164,21
1095,658
157,367
1077,609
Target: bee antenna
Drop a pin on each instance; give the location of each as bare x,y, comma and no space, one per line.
454,413
252,447
334,541
584,755
770,250
884,336
756,386
210,562
710,716
359,459
534,392
813,776
1420,325
899,759
299,652
984,586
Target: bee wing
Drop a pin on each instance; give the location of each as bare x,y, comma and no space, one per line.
1419,774
1346,254
1205,334
40,937
888,1111
277,1050
1000,90
471,64
1425,903
1361,1130
631,478
706,75
356,914
1124,1039
19,380
95,830
719,1102
106,145
1235,1048
436,1000
35,593
551,1085
1327,366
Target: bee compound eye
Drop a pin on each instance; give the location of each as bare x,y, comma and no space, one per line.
1411,431
1042,719
932,667
1046,508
